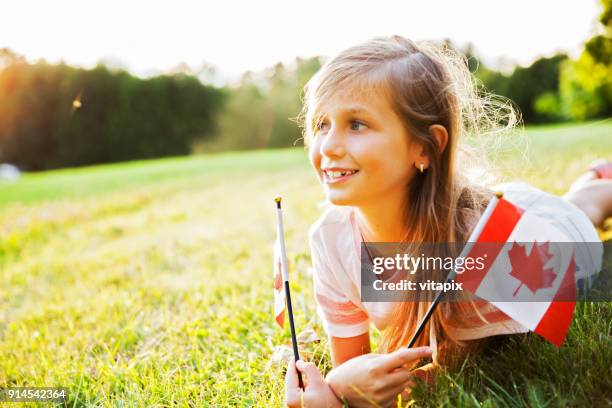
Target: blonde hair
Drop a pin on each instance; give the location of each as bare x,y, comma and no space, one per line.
426,84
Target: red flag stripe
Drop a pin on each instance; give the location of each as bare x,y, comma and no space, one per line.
504,218
279,293
498,228
558,317
280,319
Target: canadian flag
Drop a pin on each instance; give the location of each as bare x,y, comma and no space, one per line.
279,293
528,274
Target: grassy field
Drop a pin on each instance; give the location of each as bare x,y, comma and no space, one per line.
149,283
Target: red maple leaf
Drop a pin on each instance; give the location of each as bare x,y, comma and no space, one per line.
529,269
278,281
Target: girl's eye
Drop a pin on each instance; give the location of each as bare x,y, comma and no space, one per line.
321,126
355,125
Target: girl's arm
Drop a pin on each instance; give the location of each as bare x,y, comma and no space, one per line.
375,379
364,381
343,349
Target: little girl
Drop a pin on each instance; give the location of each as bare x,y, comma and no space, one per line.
382,124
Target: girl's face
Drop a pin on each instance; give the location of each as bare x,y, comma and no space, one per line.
361,151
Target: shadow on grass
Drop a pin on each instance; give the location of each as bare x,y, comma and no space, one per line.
524,370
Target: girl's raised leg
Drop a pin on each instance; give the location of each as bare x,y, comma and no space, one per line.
592,192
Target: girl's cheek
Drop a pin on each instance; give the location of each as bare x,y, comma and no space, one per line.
315,159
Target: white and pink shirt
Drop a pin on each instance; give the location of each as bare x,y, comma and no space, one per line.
335,243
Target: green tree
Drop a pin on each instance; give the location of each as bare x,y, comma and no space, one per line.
527,84
586,84
262,108
55,115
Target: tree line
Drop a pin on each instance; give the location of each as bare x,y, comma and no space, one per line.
55,116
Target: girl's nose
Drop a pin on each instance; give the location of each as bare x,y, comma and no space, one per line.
333,144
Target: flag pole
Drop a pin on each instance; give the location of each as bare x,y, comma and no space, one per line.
285,272
466,250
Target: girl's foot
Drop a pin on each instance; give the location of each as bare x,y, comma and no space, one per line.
592,192
600,169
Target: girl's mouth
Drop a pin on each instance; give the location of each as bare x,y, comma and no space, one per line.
333,176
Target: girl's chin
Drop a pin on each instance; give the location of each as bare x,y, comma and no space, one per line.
340,199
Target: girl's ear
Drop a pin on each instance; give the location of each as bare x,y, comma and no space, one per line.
441,135
423,161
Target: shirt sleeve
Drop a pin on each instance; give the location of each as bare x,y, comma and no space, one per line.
340,316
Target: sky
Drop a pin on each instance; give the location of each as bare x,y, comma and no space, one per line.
235,36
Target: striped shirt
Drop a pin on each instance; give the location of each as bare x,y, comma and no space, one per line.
335,244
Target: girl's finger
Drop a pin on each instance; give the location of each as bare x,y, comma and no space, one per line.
426,373
311,371
402,356
399,377
291,380
403,378
294,395
408,382
295,399
399,381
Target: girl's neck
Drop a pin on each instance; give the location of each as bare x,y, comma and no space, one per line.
382,221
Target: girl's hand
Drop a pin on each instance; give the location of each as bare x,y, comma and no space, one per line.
375,379
317,393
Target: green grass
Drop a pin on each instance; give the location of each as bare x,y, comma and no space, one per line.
149,283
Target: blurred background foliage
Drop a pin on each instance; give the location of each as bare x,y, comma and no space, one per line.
54,116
